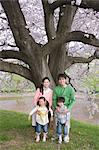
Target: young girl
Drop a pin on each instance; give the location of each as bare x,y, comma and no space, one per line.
42,120
44,91
61,119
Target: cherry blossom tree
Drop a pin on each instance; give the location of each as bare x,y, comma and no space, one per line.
40,42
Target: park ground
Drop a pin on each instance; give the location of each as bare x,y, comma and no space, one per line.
16,133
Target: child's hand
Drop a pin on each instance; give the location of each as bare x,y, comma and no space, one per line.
57,109
66,124
29,117
65,111
38,112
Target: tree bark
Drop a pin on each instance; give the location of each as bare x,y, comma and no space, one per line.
52,58
58,56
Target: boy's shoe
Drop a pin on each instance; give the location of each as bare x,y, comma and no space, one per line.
66,139
60,141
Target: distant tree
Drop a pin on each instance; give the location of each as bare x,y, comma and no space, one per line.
91,82
48,59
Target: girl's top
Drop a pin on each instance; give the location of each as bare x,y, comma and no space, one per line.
41,114
47,93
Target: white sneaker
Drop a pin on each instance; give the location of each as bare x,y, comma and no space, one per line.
37,138
44,138
60,139
66,139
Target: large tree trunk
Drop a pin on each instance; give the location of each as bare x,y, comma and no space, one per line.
58,57
49,59
57,61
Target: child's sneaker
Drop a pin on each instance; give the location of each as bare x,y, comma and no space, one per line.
37,138
44,137
60,139
66,139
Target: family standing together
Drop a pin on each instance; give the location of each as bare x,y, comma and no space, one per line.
53,105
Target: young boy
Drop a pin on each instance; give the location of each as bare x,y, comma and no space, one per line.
64,90
61,119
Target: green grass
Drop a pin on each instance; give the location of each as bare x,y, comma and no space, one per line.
16,133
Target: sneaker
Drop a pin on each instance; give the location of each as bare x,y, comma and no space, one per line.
44,138
60,139
66,139
37,138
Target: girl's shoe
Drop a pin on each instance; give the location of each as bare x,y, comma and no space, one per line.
37,138
60,139
44,137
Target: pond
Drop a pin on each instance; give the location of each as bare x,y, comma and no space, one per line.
23,103
16,102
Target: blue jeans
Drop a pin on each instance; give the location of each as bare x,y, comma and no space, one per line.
39,127
68,123
60,127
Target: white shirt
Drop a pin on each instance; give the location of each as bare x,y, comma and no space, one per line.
41,114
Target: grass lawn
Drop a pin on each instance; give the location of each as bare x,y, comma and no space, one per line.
16,133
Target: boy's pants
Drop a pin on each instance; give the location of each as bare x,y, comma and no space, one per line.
68,124
60,127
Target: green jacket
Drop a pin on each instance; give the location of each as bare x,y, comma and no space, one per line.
66,92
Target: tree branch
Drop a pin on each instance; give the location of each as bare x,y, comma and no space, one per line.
81,59
17,69
78,36
12,54
93,4
66,16
17,24
83,37
70,60
96,54
11,45
49,20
